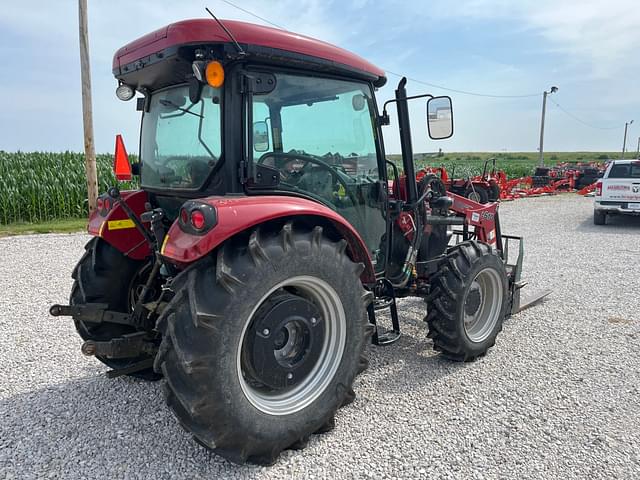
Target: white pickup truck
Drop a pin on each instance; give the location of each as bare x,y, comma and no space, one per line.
618,191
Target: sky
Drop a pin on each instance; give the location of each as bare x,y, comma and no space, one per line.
587,48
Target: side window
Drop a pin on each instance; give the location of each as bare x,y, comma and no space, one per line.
321,139
335,130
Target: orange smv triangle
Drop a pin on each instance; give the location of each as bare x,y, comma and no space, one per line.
121,165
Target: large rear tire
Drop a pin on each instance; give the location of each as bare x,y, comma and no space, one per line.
599,217
261,343
105,275
468,301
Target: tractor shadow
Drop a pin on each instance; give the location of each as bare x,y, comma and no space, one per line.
411,360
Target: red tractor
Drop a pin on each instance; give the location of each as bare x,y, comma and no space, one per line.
483,188
249,268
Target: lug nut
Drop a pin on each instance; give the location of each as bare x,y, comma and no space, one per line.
314,320
266,332
289,376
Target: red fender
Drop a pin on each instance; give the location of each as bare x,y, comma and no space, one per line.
237,214
115,228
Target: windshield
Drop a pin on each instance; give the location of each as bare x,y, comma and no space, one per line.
181,140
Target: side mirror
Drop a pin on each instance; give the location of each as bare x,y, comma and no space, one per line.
121,165
260,137
439,118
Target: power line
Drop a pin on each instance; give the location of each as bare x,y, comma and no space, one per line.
254,15
578,119
464,92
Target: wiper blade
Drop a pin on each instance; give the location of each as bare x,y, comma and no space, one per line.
169,103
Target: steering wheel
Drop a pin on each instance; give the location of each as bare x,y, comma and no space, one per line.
309,160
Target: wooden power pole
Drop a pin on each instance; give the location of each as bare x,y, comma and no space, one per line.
87,114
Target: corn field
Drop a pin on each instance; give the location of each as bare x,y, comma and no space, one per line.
40,186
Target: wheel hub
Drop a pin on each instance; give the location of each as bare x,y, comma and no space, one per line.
474,299
483,305
283,343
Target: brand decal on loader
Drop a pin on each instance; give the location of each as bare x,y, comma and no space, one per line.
488,215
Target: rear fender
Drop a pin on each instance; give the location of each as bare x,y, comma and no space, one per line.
237,214
118,230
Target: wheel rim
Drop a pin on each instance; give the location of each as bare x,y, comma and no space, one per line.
475,196
483,305
291,345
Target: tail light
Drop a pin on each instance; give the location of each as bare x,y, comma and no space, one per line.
599,189
104,204
197,218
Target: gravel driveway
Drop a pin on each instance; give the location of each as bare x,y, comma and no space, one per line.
558,397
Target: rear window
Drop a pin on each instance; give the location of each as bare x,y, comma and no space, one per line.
629,170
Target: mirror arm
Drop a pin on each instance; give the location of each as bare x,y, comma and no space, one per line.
384,118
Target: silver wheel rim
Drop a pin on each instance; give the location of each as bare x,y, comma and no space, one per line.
316,382
475,196
486,293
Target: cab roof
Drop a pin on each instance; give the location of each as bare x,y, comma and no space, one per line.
256,40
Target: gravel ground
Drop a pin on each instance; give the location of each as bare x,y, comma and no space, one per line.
558,397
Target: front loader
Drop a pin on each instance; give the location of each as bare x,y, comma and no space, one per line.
268,233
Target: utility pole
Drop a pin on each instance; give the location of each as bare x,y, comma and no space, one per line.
624,142
544,111
638,150
87,114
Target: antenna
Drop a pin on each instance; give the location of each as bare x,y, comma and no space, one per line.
233,39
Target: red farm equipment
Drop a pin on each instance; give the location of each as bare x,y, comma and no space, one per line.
480,188
250,267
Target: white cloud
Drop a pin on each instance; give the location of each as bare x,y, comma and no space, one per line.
604,34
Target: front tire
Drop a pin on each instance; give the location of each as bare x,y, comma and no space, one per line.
468,301
262,343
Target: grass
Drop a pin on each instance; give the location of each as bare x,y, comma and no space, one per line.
67,225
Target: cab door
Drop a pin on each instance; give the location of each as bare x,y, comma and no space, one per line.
320,135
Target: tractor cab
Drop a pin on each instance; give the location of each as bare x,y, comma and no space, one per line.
269,233
301,120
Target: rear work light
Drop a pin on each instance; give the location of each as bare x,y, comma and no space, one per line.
599,189
196,217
